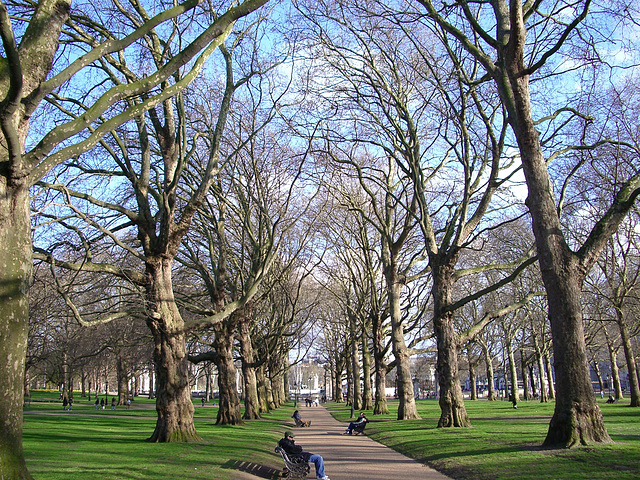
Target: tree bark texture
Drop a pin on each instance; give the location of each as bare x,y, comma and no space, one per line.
491,389
121,375
173,401
251,402
367,397
577,418
452,410
15,267
634,389
229,405
265,396
380,405
407,404
544,394
355,366
513,371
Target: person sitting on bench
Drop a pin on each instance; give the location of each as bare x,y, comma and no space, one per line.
287,443
358,424
298,419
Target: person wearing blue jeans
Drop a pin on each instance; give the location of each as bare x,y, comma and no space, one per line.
288,444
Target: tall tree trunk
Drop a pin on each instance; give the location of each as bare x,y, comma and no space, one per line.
229,404
513,371
122,379
349,367
629,357
472,377
550,376
251,402
407,404
355,367
544,398
452,410
15,268
577,418
337,392
173,402
491,389
380,406
152,389
525,377
264,392
614,380
596,369
532,379
367,397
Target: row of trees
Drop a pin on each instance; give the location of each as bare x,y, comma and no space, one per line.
182,164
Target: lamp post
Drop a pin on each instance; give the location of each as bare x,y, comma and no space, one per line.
295,394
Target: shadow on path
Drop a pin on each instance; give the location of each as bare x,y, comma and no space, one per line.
350,457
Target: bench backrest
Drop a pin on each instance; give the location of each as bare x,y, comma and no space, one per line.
297,466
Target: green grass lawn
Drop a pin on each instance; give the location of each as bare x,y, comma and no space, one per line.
110,445
504,443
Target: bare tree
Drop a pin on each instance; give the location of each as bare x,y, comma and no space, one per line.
510,61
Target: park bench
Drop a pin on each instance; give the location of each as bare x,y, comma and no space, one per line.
294,467
359,429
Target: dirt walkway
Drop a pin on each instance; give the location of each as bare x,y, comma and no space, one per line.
349,457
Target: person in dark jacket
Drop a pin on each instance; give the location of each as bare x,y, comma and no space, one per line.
299,422
288,444
362,419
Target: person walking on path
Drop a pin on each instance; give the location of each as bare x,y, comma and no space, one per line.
288,444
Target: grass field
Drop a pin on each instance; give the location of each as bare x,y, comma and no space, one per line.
502,444
86,444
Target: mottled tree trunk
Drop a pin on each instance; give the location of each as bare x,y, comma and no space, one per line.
472,377
491,389
355,366
122,379
525,378
614,380
152,389
380,406
276,387
251,402
634,389
173,401
407,403
337,375
349,368
577,418
15,268
367,397
544,396
265,397
513,372
229,405
532,379
550,377
452,410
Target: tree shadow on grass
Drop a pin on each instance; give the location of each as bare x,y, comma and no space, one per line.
261,471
